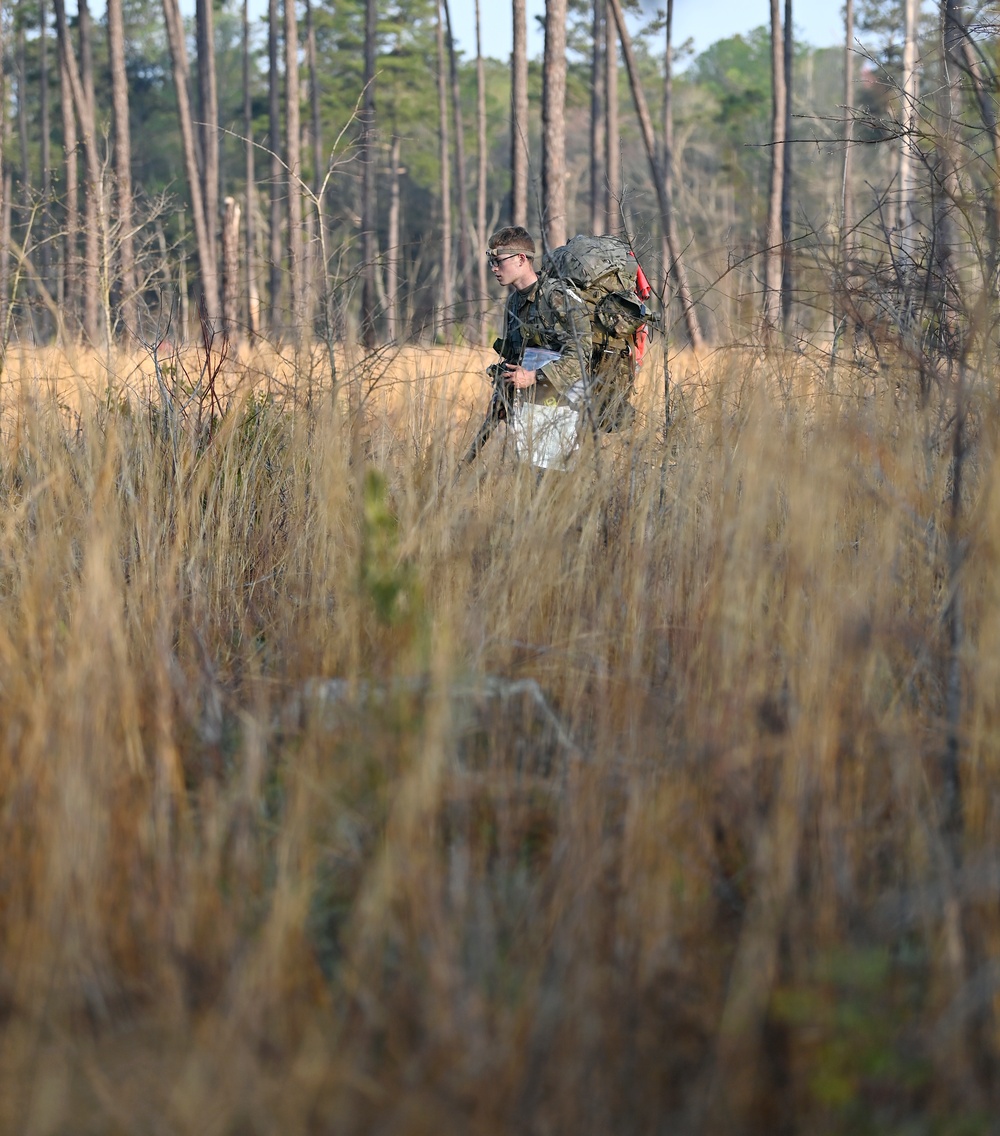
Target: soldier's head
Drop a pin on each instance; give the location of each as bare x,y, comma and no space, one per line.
510,255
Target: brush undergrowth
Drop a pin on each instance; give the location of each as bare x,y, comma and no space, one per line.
338,794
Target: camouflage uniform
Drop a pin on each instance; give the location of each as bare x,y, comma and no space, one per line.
549,314
612,381
545,424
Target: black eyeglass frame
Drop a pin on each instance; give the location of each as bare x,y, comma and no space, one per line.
493,261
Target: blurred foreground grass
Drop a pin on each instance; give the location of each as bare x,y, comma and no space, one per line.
340,795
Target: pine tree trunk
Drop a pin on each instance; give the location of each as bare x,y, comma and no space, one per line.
463,266
293,187
208,113
83,106
554,125
842,304
907,170
123,165
45,129
182,288
668,137
277,172
93,187
369,201
846,210
667,219
444,313
314,258
5,188
71,233
945,286
772,237
481,178
519,136
21,67
230,263
786,175
951,96
597,204
206,247
392,252
969,61
253,295
612,137
316,130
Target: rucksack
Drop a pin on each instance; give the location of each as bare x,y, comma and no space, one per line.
605,272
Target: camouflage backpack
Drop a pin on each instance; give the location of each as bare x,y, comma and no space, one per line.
605,272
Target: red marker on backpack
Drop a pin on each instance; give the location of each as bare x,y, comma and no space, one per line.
642,290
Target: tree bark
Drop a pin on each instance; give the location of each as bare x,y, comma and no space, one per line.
519,138
772,236
667,219
447,293
392,252
71,235
315,127
293,186
612,137
481,177
950,94
846,210
84,111
123,165
314,257
230,264
44,125
463,266
786,174
945,286
208,113
276,250
206,247
841,313
907,169
369,200
668,137
5,188
597,204
182,288
983,86
93,205
253,296
554,125
21,68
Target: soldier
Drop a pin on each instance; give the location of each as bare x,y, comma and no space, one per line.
545,351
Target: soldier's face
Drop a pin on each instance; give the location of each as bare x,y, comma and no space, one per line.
509,268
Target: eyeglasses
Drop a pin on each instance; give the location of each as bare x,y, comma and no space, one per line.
493,261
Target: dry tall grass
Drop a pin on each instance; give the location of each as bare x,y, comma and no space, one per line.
340,795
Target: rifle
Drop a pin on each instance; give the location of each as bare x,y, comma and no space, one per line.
500,409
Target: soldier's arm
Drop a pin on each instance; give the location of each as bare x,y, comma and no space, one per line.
571,336
504,346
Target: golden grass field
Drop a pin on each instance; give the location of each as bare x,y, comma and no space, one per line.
339,794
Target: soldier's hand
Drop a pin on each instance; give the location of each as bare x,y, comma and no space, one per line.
521,378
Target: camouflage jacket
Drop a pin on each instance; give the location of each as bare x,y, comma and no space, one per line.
549,314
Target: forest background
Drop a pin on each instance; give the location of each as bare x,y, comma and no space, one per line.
372,191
